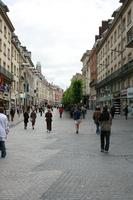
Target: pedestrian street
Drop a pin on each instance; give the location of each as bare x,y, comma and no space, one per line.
63,165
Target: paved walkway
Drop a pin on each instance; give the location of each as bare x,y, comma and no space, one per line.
63,165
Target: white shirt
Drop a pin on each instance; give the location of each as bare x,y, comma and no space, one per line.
4,128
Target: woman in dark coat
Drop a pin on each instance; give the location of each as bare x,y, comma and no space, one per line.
105,121
26,119
33,118
48,116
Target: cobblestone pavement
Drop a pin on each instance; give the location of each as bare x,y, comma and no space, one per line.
63,165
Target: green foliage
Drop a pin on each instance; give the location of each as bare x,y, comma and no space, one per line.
73,95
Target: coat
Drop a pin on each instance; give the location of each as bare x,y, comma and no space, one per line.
96,116
4,128
48,116
106,124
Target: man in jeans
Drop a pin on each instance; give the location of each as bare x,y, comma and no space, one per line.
4,129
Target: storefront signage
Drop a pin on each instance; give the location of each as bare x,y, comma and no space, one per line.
130,92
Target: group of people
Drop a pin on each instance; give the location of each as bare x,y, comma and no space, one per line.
102,119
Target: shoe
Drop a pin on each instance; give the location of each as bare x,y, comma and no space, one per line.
102,150
3,155
77,132
106,151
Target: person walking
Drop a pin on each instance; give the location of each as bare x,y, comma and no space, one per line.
48,117
105,121
61,109
4,130
33,118
112,111
26,118
77,118
96,116
126,111
12,113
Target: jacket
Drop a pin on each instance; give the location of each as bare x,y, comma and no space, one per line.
106,124
4,127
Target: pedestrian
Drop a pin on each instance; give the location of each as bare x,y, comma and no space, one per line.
126,111
83,111
96,116
26,118
48,117
33,118
105,121
112,111
4,130
77,118
12,113
61,109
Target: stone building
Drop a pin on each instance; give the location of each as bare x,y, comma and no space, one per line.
115,59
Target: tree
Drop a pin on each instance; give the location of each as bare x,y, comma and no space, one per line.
73,94
76,91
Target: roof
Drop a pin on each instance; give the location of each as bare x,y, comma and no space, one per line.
4,6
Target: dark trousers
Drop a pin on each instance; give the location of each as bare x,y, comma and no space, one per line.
105,140
49,125
3,148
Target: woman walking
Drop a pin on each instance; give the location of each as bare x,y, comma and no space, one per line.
96,116
77,118
33,118
105,123
26,119
48,117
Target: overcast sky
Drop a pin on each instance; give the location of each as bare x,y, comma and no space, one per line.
58,32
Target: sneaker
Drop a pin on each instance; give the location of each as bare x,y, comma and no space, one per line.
106,151
102,150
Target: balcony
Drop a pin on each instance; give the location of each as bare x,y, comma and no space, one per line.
130,38
7,74
120,73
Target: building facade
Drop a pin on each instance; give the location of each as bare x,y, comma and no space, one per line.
115,59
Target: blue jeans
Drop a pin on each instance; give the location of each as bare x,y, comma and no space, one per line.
97,128
3,148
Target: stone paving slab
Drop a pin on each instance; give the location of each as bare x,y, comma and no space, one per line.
65,166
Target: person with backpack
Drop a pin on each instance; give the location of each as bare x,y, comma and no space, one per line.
105,121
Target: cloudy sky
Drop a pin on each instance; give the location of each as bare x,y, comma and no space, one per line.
58,32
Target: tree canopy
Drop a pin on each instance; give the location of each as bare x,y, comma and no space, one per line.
73,94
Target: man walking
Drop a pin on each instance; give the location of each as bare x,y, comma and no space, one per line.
4,129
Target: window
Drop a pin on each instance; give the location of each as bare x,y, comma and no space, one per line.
9,37
4,64
119,48
129,57
11,67
5,32
111,40
111,56
0,44
114,36
4,47
8,55
15,54
129,17
123,25
119,30
0,25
